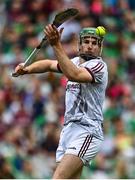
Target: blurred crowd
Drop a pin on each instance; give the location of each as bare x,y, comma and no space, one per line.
32,106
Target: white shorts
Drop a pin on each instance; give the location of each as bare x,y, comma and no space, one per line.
76,140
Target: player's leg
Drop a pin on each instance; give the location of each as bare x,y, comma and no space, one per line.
69,167
76,148
77,175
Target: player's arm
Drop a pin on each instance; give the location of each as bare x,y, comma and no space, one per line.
73,73
68,68
41,66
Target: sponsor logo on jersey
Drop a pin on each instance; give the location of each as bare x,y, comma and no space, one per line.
73,86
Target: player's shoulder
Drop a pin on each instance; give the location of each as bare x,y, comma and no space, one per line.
96,65
96,62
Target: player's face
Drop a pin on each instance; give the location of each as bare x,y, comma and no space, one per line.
90,46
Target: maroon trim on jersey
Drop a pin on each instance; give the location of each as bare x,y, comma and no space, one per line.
91,73
85,146
96,66
99,69
58,67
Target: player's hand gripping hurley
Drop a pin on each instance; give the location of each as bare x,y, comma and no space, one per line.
59,19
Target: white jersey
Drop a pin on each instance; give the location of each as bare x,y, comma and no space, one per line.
84,101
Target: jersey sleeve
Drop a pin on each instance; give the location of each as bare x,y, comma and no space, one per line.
97,70
58,67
